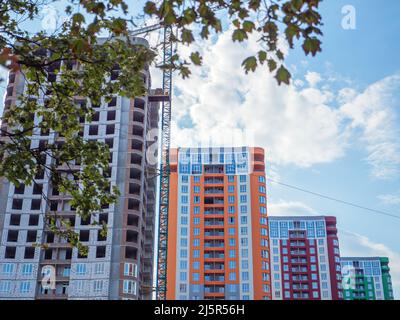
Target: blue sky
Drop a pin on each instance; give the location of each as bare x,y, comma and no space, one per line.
333,131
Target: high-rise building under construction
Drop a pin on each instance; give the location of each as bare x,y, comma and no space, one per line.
119,265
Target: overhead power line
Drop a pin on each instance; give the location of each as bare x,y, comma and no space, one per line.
335,199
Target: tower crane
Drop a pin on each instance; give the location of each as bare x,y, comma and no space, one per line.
164,169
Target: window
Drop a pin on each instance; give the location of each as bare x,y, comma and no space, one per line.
245,287
15,219
184,209
129,287
196,210
29,253
111,115
37,189
27,269
182,288
25,287
196,179
184,231
231,209
262,199
184,242
196,221
12,236
196,265
196,189
100,252
81,269
20,189
243,209
99,268
243,188
35,204
196,276
183,253
84,235
196,242
183,276
231,189
5,286
17,204
261,179
232,276
242,178
98,286
113,102
130,269
232,264
93,130
231,178
8,268
243,198
263,210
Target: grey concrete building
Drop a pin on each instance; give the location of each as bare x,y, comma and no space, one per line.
118,266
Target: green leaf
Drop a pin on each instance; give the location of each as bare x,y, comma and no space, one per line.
282,75
250,64
239,35
312,45
187,36
196,58
248,26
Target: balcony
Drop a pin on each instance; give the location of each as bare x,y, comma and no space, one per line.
214,255
297,244
214,244
213,200
213,169
214,191
214,266
214,222
298,261
303,270
214,278
214,180
214,211
214,233
214,289
298,252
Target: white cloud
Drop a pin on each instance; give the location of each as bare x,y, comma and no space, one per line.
294,125
373,114
354,244
313,78
289,208
390,199
298,124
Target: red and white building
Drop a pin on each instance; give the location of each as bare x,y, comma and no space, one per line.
305,259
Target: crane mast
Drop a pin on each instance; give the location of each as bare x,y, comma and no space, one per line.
164,168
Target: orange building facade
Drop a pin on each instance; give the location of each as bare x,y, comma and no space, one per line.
218,245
